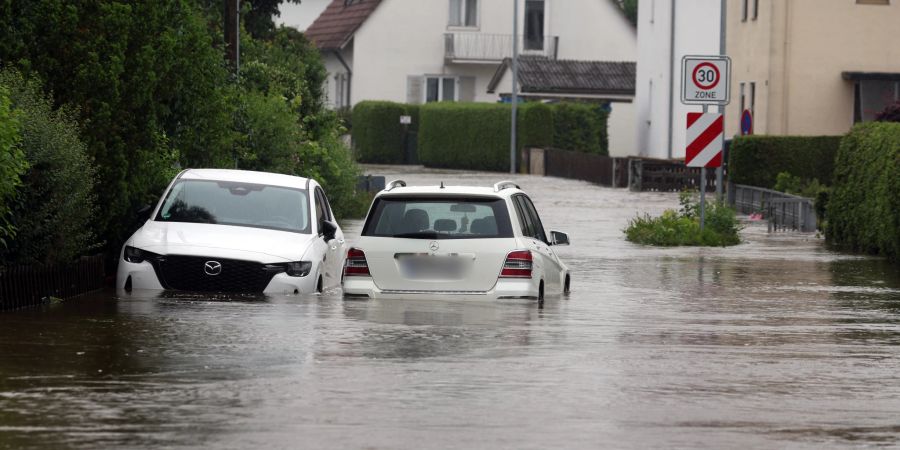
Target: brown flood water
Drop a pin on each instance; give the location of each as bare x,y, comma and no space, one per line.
775,343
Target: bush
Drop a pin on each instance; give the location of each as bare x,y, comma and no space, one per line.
476,135
675,228
864,209
757,160
55,207
12,164
580,127
377,133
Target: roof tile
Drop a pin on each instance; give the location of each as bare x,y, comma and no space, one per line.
338,22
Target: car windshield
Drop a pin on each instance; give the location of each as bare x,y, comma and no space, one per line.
438,218
240,204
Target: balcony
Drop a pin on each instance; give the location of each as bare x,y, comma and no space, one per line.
481,48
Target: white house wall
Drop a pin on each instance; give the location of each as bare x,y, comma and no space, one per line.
696,33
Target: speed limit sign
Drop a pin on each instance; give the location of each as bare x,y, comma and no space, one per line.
705,80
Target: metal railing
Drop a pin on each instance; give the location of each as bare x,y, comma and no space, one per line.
32,285
484,47
782,211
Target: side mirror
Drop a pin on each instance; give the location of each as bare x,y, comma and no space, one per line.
143,213
328,230
559,238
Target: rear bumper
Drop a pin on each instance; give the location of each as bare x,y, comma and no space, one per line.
504,288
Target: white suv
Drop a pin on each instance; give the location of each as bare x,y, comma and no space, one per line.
434,241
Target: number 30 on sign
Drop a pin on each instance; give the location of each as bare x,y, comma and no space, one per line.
705,80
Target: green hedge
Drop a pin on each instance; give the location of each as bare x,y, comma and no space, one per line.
476,135
757,160
580,127
864,209
377,133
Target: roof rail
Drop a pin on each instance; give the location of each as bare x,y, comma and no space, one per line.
505,185
395,183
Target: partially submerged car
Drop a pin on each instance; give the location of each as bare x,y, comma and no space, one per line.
236,231
433,241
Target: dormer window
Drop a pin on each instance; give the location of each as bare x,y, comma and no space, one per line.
463,13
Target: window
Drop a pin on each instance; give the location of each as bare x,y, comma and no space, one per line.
872,96
743,97
341,90
438,218
438,89
528,218
236,204
463,13
752,98
534,24
744,10
873,2
755,9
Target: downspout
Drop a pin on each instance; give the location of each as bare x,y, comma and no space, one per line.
337,54
671,77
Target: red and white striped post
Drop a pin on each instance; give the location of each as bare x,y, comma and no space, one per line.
705,141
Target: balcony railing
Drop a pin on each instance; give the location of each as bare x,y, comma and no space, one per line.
491,48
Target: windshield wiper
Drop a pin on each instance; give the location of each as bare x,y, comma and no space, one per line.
420,235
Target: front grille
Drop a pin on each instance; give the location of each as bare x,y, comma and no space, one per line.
187,273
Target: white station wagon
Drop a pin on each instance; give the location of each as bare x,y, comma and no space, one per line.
236,231
435,241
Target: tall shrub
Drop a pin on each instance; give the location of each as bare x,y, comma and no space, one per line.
377,133
757,160
864,209
56,203
580,127
12,164
476,135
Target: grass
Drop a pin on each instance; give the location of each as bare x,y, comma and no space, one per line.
682,227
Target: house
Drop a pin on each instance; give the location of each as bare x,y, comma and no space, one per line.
666,33
450,50
812,67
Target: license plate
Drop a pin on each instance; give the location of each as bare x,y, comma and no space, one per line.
431,267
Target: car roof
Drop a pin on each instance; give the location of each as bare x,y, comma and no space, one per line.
246,176
435,191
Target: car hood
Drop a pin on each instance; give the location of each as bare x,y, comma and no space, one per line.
223,241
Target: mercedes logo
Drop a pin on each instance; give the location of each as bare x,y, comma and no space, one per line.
434,246
212,268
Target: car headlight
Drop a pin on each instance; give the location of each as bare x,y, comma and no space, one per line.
298,268
136,255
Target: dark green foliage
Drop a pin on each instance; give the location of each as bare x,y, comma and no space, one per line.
56,204
631,10
757,160
890,113
476,135
675,228
259,16
12,164
377,133
864,209
580,127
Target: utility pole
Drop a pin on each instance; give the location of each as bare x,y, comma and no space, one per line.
515,87
719,170
232,33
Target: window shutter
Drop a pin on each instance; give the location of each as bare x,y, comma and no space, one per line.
467,89
414,89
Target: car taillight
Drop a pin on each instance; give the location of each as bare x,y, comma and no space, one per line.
356,265
518,265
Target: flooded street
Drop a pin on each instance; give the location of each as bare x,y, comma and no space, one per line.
775,343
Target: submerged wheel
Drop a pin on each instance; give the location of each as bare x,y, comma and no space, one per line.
541,295
319,285
566,285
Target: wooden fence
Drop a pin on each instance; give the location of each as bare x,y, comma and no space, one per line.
25,286
666,175
598,169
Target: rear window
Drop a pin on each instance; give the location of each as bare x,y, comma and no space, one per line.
438,218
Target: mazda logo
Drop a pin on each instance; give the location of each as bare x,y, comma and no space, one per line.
212,268
434,246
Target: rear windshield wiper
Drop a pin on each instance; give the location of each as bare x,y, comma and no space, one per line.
420,235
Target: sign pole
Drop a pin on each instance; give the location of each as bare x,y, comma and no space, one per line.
719,170
703,187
